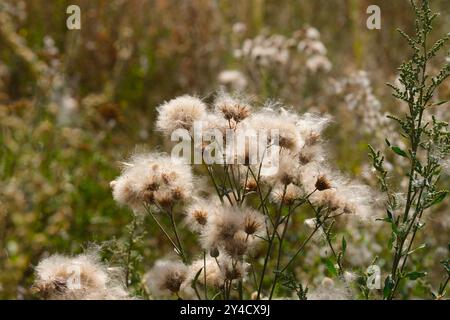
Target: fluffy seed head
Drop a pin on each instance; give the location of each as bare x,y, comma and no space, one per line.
232,108
214,276
253,222
82,277
278,120
250,184
198,213
291,194
233,79
153,179
232,230
238,245
165,278
180,112
322,183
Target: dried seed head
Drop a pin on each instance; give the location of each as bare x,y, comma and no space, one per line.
221,227
331,200
349,208
214,252
312,138
165,278
251,185
200,216
81,277
286,178
180,112
287,141
214,276
230,269
305,156
253,222
291,194
233,79
164,199
238,245
232,108
177,194
152,178
199,212
322,183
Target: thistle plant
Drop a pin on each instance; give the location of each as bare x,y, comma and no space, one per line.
274,65
245,214
428,145
271,217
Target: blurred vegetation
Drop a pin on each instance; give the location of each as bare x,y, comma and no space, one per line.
75,102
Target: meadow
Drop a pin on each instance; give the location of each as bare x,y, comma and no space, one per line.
93,205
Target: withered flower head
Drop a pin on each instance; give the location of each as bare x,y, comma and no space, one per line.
322,183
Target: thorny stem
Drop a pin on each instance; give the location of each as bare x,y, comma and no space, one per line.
130,249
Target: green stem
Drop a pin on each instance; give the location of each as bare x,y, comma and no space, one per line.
129,250
204,275
271,240
162,229
280,247
174,226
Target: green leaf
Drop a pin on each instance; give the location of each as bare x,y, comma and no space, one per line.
392,240
418,248
399,151
446,265
389,284
194,282
389,214
331,268
415,275
441,196
439,103
384,219
344,245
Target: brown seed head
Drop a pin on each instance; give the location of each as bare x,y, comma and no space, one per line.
201,216
322,183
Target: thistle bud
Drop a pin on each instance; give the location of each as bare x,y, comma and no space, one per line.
214,252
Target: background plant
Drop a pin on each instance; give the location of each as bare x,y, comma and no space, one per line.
428,143
103,82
